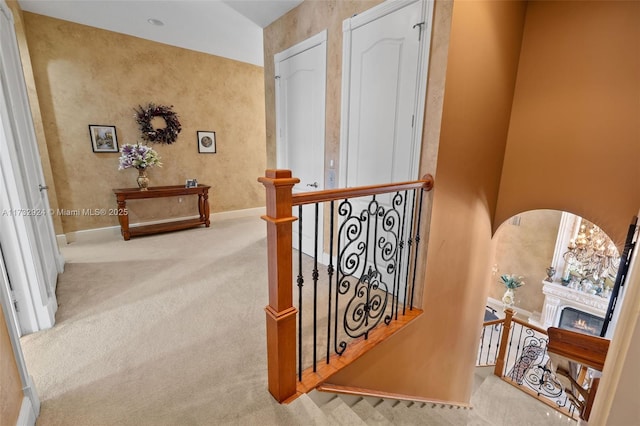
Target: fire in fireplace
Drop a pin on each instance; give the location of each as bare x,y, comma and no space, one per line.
582,322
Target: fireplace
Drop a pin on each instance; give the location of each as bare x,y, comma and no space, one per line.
582,322
557,298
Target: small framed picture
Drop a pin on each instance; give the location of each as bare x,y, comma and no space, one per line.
191,183
206,142
103,138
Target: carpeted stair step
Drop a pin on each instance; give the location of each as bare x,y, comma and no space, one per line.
307,412
452,414
398,413
341,414
366,411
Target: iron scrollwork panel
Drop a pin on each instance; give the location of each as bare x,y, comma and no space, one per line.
532,370
369,242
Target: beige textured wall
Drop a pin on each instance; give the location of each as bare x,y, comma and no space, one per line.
10,384
88,76
574,138
526,249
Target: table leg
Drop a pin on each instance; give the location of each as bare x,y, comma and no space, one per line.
205,209
123,218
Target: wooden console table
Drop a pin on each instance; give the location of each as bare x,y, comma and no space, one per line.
124,194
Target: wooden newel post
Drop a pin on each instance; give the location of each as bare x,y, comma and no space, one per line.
280,312
504,339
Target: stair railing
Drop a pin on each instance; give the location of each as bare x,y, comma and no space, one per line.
520,358
373,242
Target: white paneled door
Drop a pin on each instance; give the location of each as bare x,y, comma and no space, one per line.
384,75
28,239
300,122
385,51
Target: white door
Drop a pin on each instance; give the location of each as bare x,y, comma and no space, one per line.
383,93
26,207
300,122
384,85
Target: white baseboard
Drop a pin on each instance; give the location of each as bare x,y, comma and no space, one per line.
27,416
256,211
61,239
498,306
113,232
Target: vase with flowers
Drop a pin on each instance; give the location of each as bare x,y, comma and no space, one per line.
511,283
139,157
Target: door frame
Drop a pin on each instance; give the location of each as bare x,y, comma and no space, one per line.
30,407
357,21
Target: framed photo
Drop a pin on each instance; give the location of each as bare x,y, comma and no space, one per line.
103,138
191,183
206,142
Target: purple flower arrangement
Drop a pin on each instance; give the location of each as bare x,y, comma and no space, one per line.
138,156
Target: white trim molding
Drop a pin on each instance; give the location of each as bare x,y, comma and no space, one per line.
27,416
307,44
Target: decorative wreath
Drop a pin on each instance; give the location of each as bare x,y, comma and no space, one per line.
167,135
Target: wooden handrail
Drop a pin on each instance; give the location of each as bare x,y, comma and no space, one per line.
529,325
493,322
581,348
426,183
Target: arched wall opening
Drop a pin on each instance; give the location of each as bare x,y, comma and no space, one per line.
564,267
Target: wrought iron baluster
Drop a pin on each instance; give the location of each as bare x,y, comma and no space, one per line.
490,342
410,242
397,269
401,251
519,342
330,275
506,361
315,290
481,346
500,329
344,209
300,285
394,225
406,280
417,239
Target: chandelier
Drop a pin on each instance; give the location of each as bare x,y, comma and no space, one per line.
591,255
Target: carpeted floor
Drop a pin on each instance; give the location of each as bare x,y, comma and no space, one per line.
164,329
170,330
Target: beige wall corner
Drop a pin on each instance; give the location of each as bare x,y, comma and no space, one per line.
35,111
10,385
86,76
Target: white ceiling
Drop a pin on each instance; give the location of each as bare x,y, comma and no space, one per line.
228,28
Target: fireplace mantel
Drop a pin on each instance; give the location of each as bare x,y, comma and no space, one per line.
557,297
